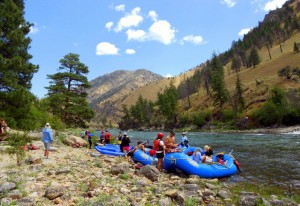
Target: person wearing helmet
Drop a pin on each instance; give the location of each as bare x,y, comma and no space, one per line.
159,148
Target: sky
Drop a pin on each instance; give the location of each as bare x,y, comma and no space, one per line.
167,37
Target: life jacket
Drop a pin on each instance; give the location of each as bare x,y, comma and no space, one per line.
107,136
157,146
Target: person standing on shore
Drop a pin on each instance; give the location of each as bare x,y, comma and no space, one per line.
47,139
159,147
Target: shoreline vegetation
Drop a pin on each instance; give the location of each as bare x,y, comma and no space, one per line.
81,176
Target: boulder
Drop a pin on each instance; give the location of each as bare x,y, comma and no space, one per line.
121,168
72,140
7,186
53,192
150,172
26,202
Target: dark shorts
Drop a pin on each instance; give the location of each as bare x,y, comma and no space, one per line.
160,155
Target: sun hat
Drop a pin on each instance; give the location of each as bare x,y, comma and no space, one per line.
125,133
47,125
183,133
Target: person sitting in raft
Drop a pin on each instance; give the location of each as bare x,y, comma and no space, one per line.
220,158
207,157
197,156
170,142
125,145
184,140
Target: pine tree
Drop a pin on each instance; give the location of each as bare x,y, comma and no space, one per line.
67,93
16,71
218,83
254,57
239,93
296,47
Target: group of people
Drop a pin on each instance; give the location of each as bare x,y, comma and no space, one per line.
104,137
168,145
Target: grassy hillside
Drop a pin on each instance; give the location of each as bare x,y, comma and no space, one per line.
256,81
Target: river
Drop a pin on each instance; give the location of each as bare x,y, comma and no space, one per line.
271,159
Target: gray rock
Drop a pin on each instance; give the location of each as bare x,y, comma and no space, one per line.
225,194
208,192
53,192
26,202
15,194
6,201
124,190
63,171
150,172
172,193
7,186
165,202
248,199
210,186
121,168
193,180
191,187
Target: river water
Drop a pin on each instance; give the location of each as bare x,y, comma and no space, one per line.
271,159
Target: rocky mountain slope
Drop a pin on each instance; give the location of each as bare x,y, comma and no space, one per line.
108,92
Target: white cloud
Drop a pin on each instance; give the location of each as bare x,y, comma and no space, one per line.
109,25
274,4
33,30
244,31
168,76
130,51
161,31
197,40
229,3
105,48
138,35
153,15
120,7
130,20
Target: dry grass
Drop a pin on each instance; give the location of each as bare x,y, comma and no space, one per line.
265,74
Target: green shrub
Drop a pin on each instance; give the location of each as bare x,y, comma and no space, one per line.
16,141
200,118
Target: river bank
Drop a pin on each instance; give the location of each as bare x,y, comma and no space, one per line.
79,176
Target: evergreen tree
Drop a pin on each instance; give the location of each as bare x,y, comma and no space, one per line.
16,71
168,104
296,47
218,83
67,94
239,93
254,57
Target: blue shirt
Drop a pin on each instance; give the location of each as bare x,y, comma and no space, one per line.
47,135
197,157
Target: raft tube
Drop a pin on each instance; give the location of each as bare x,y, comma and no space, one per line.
106,151
143,157
183,162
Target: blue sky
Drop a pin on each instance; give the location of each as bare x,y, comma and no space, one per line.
167,37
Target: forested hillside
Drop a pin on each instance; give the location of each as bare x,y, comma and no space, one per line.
240,88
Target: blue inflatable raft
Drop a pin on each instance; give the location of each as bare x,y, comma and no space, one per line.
113,150
143,157
186,164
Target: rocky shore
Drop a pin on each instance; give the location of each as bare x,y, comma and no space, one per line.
79,176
